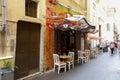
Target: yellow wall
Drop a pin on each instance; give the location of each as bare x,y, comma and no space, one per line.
0,7
88,10
78,7
60,7
81,3
15,12
75,7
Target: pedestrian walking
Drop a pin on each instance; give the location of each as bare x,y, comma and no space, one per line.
112,47
119,47
115,47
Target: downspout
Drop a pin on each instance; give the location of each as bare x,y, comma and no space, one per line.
3,15
3,30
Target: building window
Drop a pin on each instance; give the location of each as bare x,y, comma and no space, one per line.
108,27
31,8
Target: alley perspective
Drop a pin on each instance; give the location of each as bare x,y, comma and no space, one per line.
104,67
59,40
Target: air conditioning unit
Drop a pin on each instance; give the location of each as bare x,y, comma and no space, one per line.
6,74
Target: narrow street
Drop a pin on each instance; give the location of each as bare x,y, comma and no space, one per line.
104,67
38,35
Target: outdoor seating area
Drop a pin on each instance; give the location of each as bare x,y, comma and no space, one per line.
71,41
62,61
83,56
58,63
94,52
67,61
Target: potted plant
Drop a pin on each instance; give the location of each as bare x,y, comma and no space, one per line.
6,72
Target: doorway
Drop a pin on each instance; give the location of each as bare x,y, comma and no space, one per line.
27,49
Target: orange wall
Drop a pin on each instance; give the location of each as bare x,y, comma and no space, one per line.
49,48
60,10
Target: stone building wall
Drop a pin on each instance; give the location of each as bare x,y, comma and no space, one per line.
15,12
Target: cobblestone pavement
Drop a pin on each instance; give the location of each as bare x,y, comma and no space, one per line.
104,67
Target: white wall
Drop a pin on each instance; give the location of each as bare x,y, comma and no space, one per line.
100,13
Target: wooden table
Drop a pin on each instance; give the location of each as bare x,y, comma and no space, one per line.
65,57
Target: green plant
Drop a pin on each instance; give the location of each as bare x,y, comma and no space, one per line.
8,64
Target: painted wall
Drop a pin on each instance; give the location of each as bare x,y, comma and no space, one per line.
61,10
78,6
108,34
98,17
103,7
88,10
15,12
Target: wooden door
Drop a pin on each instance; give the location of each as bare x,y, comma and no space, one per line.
27,49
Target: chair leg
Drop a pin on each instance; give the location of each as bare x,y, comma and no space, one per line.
54,69
65,68
82,61
86,59
69,66
58,69
78,60
73,65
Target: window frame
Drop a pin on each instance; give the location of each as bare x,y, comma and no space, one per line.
31,11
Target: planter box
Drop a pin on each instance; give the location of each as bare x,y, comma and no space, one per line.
6,74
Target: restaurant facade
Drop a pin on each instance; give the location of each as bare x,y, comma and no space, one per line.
66,30
47,29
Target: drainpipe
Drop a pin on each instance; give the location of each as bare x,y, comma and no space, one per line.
3,15
3,30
